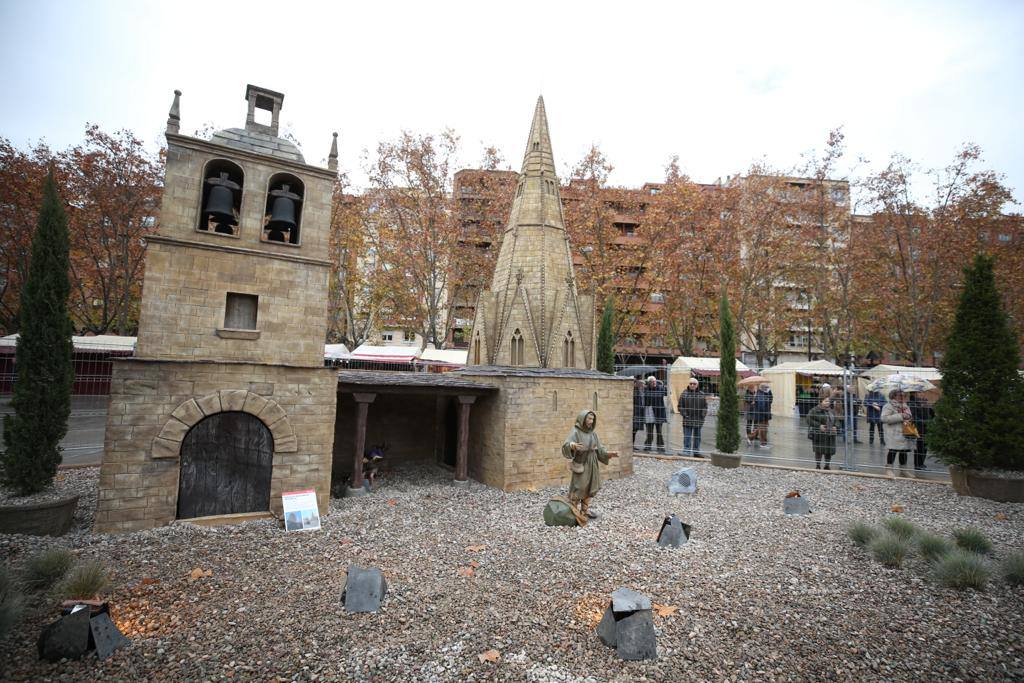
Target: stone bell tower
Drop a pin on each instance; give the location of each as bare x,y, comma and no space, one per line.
227,403
532,316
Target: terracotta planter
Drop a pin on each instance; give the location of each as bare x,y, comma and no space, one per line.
52,518
727,460
1006,487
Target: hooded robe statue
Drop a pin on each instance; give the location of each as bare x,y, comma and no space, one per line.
586,479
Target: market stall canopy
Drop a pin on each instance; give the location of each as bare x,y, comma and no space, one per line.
387,354
445,356
812,367
707,366
336,352
99,342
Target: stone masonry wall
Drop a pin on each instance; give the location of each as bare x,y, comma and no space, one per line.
516,437
152,404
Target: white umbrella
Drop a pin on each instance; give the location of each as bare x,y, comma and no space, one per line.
900,381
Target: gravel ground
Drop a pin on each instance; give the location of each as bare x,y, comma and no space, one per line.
760,596
69,482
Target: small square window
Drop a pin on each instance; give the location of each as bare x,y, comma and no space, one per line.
240,311
387,336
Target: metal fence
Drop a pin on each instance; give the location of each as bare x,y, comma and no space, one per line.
859,443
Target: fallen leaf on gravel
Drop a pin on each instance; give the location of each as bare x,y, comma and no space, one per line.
149,582
591,608
664,610
198,573
392,502
465,571
347,541
1001,516
474,564
897,508
793,494
474,548
489,656
858,487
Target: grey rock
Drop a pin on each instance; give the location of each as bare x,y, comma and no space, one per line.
628,626
673,532
364,590
683,481
627,600
106,636
796,505
66,638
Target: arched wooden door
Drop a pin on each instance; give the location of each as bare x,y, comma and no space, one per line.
226,464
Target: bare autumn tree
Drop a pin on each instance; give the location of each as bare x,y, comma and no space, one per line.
413,229
21,194
690,270
921,248
617,246
831,256
114,187
358,288
758,210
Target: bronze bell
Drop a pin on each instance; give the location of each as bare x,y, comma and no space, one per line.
282,214
220,204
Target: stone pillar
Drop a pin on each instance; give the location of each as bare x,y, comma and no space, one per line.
462,452
363,402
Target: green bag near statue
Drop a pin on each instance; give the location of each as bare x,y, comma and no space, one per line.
558,512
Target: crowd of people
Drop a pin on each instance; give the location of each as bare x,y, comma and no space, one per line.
898,419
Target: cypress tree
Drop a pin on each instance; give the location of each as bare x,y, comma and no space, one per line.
44,374
727,434
605,343
979,420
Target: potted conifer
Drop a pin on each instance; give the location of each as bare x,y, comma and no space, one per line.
727,432
978,428
43,377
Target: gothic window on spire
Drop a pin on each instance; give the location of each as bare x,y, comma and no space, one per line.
517,348
569,351
536,146
476,349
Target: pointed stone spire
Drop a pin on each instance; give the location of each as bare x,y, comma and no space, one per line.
532,314
174,115
537,200
332,158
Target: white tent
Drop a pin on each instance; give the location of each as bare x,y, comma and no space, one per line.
445,356
336,352
684,367
785,377
386,354
99,342
871,374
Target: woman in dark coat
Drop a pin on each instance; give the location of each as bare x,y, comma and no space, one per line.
654,412
822,428
921,411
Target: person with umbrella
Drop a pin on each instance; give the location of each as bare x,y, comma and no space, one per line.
896,416
873,403
693,407
922,413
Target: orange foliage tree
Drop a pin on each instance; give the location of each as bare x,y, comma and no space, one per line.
920,249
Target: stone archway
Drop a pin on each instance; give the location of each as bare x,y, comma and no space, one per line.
167,444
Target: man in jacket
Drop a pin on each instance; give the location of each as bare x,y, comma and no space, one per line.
762,413
654,412
873,404
693,407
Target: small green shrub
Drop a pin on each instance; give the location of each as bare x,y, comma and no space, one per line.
933,547
962,569
900,528
11,602
889,549
1013,568
84,581
973,540
861,533
47,568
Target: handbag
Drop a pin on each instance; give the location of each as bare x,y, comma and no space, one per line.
576,467
910,430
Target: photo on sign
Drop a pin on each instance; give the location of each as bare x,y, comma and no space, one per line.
300,510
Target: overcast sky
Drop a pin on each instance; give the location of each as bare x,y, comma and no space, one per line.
720,84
